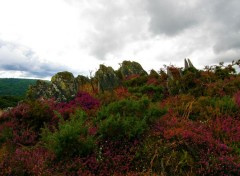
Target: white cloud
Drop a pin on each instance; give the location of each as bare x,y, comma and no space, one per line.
81,34
18,60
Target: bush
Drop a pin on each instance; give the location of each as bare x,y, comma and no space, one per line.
178,146
127,118
135,80
125,107
155,93
117,127
9,101
21,124
216,106
71,138
82,100
25,161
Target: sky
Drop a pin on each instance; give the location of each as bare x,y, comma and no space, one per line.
39,38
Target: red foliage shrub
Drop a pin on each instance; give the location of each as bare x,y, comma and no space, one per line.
226,129
153,81
82,100
133,76
85,101
27,162
112,158
202,142
25,121
122,93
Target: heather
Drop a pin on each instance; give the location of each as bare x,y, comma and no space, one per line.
175,121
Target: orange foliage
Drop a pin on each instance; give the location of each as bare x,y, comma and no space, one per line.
121,93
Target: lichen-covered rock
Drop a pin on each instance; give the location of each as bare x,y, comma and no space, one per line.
129,68
81,80
107,78
64,86
169,73
186,66
40,89
153,74
175,75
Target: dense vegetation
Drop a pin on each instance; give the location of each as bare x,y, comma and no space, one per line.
14,86
13,90
184,124
9,101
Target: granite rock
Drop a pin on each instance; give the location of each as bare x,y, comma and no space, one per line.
128,68
107,78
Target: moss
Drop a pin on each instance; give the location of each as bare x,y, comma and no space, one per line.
129,68
107,79
62,75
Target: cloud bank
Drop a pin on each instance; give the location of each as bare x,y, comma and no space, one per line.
78,35
20,59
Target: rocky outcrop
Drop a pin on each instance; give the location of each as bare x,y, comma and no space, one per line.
62,87
128,68
81,80
107,78
40,89
188,64
153,74
169,73
174,72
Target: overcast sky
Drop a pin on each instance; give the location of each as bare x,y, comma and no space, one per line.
39,38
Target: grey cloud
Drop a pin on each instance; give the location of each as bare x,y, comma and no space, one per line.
16,67
226,15
227,57
229,41
217,19
114,24
222,19
171,17
14,57
225,12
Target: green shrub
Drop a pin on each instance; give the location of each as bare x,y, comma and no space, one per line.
125,107
225,104
127,118
140,109
117,127
205,108
71,138
155,93
154,112
39,113
135,81
9,101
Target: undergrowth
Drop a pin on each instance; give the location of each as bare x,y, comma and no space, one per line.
150,125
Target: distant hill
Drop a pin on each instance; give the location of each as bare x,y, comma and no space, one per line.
15,86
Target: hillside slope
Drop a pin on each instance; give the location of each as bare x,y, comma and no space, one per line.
14,86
